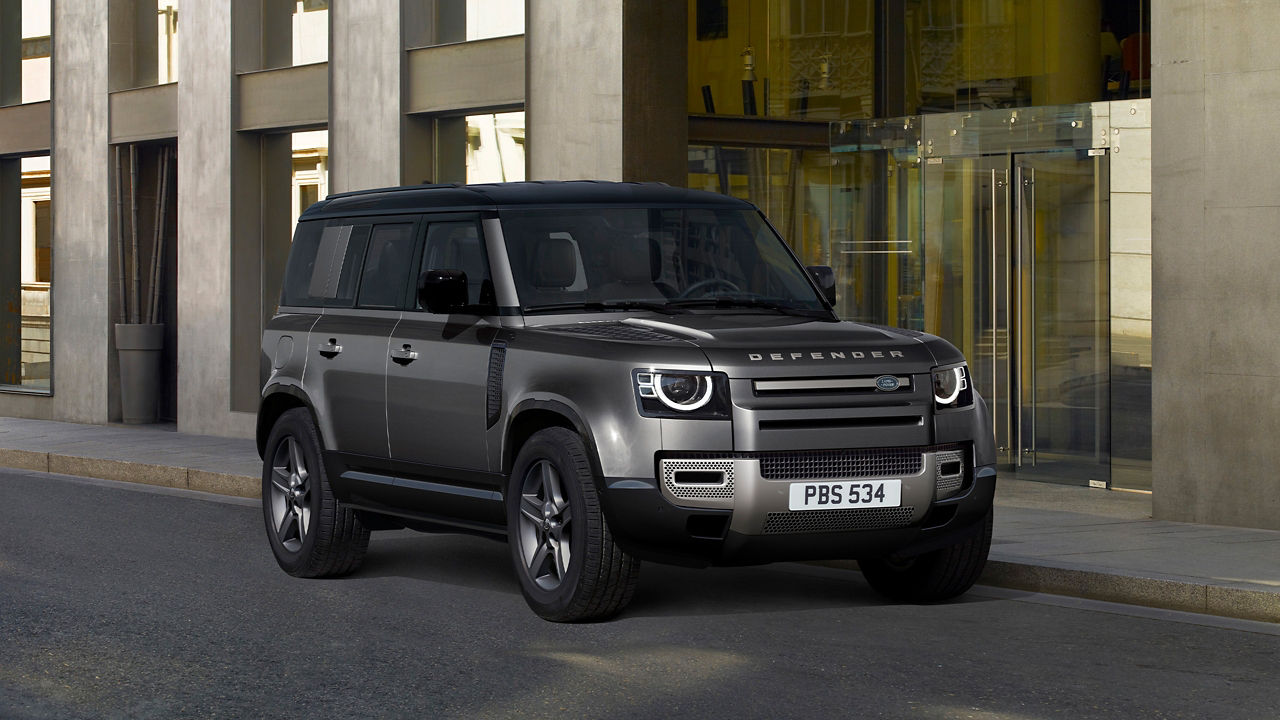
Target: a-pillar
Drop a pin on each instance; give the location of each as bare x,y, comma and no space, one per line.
606,90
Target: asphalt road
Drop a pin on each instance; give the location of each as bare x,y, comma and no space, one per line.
124,601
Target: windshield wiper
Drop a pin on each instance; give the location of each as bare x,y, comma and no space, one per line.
610,306
727,301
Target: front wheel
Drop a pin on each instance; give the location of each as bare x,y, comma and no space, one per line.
311,533
569,567
933,576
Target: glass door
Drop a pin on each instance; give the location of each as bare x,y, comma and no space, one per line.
1061,287
967,292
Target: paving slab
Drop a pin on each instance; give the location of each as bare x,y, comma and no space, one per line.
1059,539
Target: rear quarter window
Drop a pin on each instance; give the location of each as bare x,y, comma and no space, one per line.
324,264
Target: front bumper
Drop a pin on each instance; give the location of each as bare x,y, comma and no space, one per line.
745,519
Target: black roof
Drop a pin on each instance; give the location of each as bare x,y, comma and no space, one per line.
417,198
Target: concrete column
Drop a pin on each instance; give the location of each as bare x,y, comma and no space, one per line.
1216,363
604,89
81,180
366,61
205,180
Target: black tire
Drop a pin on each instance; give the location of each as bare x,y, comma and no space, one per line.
311,533
934,576
595,579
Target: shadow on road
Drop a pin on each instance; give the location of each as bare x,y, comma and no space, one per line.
664,590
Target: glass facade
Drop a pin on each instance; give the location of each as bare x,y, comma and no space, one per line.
964,191
25,336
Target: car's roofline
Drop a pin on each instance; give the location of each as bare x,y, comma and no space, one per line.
492,196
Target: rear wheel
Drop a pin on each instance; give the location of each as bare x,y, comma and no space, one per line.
933,576
311,533
569,567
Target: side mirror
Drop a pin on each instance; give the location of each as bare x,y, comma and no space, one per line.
825,278
442,291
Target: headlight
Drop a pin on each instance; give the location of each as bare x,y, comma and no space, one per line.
951,387
681,394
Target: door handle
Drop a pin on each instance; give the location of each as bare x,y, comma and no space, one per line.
404,355
331,349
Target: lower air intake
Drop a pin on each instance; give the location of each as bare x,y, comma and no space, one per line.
808,521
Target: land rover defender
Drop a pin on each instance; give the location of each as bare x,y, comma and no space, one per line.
600,374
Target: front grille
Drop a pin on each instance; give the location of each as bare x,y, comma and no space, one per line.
703,491
830,464
776,523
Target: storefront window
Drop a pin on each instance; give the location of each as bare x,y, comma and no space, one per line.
842,60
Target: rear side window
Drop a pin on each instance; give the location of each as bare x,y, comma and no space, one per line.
386,266
324,265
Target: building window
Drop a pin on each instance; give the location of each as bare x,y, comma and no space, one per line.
37,49
310,170
442,22
25,336
310,32
495,147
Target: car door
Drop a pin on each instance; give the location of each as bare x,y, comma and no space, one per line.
348,363
436,381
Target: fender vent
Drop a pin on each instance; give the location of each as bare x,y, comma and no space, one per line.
493,389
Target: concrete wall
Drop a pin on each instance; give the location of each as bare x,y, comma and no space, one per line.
205,225
83,370
1216,404
365,68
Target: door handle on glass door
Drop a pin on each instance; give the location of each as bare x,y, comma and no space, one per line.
404,355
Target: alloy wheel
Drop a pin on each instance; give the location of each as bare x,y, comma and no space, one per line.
546,526
290,494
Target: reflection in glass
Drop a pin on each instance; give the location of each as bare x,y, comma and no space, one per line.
37,50
310,170
310,31
495,147
167,42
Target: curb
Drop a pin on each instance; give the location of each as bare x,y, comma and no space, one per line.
181,478
1164,592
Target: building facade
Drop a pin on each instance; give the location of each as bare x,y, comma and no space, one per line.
979,169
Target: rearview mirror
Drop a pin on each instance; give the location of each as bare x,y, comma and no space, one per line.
442,291
825,278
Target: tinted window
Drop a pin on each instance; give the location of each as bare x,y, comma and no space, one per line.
458,246
324,265
386,266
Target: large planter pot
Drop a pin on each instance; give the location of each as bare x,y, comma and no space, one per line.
139,346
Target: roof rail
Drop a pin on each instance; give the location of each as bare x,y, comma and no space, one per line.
370,191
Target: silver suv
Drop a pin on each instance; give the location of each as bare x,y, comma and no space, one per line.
602,373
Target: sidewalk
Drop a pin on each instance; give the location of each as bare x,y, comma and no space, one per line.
1048,538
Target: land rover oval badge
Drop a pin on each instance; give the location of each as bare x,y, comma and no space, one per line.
887,383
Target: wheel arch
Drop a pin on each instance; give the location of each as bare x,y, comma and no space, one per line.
530,416
276,401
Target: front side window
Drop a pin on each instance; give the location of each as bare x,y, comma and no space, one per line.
670,257
459,246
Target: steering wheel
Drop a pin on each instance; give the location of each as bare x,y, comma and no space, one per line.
709,283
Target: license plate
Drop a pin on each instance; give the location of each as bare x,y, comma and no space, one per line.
846,494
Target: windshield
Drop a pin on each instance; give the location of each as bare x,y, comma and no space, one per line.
660,259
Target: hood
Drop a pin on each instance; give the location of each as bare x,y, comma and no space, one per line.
784,346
